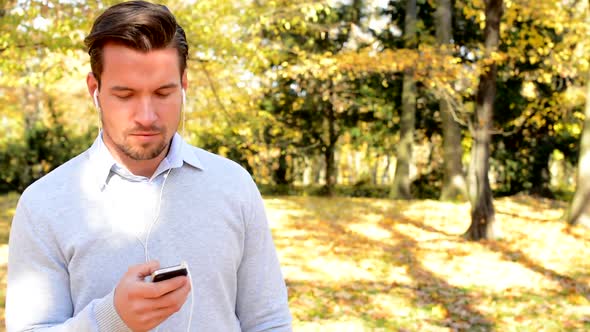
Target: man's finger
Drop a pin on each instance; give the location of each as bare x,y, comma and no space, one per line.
153,290
143,270
174,299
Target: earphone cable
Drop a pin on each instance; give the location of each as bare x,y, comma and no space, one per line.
157,212
155,221
147,255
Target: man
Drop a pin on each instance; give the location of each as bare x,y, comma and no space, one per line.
85,237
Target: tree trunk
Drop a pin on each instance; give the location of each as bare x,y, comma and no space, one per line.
454,186
329,152
375,169
482,207
352,170
401,179
317,166
385,177
280,173
540,175
578,213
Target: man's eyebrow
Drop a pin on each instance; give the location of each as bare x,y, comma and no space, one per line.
168,86
120,88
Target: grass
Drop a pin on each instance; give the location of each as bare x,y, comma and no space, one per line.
354,264
371,265
7,207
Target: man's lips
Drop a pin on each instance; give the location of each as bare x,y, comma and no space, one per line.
145,134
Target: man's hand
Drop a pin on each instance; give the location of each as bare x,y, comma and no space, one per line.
144,305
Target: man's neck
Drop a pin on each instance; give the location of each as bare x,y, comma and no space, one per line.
142,167
145,168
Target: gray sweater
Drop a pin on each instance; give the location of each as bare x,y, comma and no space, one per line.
78,229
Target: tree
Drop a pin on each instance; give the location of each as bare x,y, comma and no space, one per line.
578,213
454,185
483,225
401,182
538,74
305,90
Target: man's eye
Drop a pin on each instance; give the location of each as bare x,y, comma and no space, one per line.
123,97
162,95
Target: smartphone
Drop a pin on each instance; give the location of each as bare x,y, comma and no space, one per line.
170,272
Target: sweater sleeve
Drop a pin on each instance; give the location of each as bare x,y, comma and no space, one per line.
38,294
262,302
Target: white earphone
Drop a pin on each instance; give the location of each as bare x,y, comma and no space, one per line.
183,104
96,99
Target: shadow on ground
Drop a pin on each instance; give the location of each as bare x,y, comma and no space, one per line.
455,305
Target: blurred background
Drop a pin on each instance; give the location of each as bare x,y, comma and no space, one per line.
307,94
384,135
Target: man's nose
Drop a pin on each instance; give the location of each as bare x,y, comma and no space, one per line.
146,112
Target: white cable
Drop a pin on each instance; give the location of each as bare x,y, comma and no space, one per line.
147,238
146,246
190,278
190,315
182,111
183,120
97,106
157,216
192,307
99,125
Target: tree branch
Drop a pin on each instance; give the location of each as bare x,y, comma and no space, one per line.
36,45
214,89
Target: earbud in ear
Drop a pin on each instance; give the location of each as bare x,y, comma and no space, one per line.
183,97
96,99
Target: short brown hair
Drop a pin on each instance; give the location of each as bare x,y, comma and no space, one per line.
141,25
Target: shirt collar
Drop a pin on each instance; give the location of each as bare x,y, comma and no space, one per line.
104,163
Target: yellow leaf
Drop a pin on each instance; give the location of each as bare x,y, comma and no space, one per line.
439,311
577,299
533,59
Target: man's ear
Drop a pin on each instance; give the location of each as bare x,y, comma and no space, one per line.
92,84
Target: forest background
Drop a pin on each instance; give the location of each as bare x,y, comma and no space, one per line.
420,101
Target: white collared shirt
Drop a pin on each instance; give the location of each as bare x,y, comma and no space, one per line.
135,198
105,163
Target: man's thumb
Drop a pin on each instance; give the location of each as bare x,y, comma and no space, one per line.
145,269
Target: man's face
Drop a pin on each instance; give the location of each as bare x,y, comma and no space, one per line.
140,100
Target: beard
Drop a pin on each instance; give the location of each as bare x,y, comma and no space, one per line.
141,151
